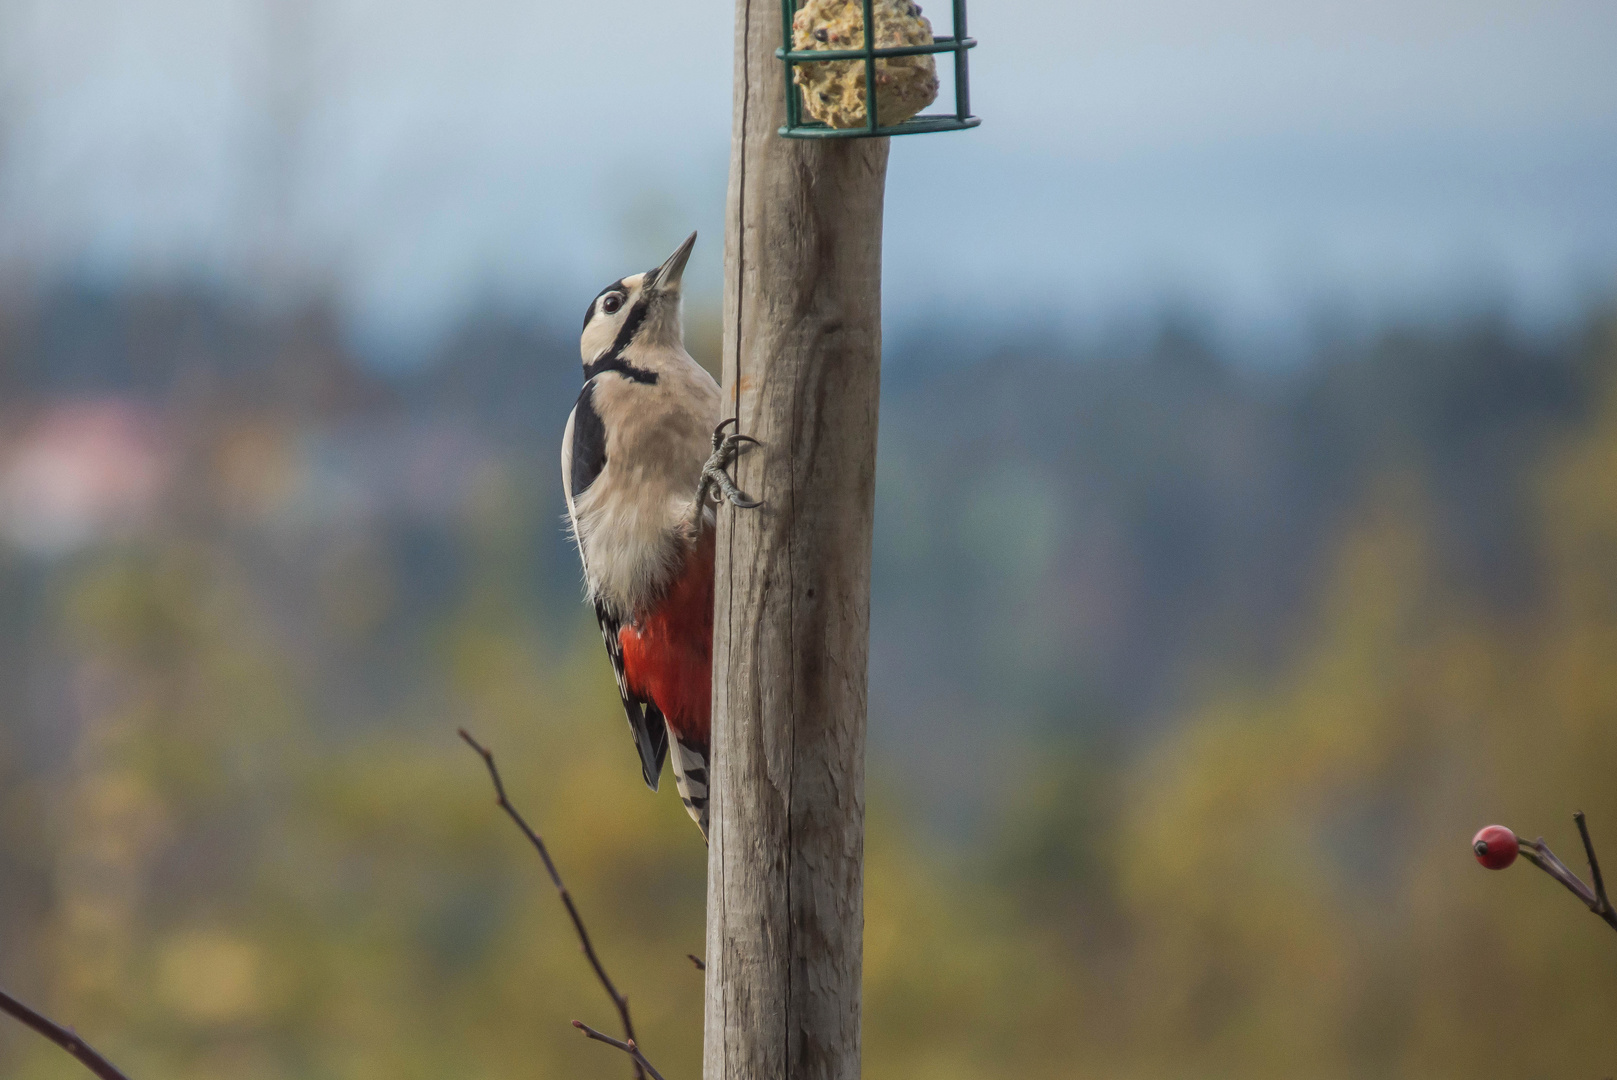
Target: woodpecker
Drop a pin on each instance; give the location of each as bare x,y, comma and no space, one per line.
642,453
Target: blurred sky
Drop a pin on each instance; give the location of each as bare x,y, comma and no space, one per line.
1261,161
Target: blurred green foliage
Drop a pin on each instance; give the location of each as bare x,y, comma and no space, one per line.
213,882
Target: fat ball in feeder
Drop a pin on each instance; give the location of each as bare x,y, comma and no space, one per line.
834,92
842,83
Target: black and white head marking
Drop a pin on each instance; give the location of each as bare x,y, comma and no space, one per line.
619,296
641,312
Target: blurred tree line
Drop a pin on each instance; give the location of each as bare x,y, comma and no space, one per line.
1191,680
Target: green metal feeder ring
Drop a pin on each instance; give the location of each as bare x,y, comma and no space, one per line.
959,120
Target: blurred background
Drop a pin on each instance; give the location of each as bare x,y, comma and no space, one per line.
1246,538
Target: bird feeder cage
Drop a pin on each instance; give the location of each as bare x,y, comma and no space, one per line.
842,91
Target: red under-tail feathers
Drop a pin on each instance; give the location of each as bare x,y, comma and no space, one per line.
668,660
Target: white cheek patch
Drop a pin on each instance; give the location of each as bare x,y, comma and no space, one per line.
599,334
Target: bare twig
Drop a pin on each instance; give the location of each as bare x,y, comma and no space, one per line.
1539,854
697,960
621,1001
66,1038
628,1047
1594,865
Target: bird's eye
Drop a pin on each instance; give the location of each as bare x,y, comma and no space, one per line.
612,303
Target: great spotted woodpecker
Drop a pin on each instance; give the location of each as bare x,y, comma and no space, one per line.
642,452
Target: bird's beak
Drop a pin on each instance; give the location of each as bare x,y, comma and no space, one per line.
666,277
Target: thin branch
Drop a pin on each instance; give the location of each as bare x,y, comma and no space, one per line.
1539,854
66,1038
1594,864
697,960
621,1001
627,1047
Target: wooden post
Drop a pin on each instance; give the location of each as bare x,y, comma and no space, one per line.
802,371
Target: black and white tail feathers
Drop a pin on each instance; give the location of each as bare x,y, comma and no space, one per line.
690,775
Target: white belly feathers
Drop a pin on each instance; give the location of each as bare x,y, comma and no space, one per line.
632,521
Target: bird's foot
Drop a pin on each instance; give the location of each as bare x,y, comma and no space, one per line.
726,448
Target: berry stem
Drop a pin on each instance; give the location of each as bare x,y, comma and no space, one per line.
1539,854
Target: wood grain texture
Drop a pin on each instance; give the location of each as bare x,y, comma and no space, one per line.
802,371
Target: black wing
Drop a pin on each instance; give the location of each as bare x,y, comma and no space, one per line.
583,456
645,720
584,448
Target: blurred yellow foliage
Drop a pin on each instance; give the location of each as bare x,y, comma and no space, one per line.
1294,860
210,977
1279,886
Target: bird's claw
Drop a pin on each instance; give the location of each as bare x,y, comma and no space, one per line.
726,448
720,438
728,489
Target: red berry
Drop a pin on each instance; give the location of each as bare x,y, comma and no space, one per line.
1495,846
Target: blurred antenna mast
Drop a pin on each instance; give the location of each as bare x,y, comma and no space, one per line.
274,159
11,107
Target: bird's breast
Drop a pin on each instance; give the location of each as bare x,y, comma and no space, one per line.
632,523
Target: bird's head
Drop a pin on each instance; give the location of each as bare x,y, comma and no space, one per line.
637,313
